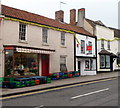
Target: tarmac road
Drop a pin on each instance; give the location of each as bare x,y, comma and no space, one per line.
102,93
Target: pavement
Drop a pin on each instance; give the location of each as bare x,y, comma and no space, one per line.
58,83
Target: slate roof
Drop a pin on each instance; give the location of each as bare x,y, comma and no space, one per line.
28,16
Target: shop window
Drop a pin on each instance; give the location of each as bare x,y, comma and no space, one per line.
63,66
44,35
26,64
63,38
82,46
104,61
8,62
90,64
87,65
22,31
20,63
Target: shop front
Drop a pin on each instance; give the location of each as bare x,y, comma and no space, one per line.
86,66
26,61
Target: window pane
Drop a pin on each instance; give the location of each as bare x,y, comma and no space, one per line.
44,35
83,46
22,31
87,64
109,45
102,61
63,66
102,44
25,64
8,62
107,61
62,38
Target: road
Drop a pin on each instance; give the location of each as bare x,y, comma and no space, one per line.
102,93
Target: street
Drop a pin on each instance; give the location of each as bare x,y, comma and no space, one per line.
102,93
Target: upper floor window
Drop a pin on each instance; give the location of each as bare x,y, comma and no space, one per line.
108,44
83,46
44,35
102,44
89,47
22,31
63,38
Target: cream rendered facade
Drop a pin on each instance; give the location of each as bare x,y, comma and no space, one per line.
108,35
9,35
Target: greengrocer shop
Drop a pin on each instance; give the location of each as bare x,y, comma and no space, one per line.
26,61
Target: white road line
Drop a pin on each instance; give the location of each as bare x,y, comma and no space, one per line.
89,93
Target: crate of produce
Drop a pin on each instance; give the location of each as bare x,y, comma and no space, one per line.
61,74
77,73
36,79
65,75
43,79
70,74
23,82
48,80
1,81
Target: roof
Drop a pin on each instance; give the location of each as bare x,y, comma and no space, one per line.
27,16
105,52
93,23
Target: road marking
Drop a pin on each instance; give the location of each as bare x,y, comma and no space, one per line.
40,106
14,96
75,97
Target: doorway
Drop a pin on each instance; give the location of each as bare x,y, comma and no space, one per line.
45,64
79,66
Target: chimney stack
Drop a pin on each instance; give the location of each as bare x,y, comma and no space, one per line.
59,15
72,16
81,17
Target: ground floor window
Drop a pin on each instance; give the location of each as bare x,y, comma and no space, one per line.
90,64
118,60
20,63
104,61
63,66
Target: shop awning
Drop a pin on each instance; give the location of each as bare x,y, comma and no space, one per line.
29,49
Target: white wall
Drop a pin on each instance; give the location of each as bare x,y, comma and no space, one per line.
86,38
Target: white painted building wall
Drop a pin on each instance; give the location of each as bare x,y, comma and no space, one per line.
10,36
82,57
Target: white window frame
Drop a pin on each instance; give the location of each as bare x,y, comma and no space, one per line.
22,31
63,40
45,35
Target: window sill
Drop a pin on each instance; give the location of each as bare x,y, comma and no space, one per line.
45,44
62,46
23,41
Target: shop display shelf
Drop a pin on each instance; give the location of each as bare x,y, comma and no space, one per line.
36,79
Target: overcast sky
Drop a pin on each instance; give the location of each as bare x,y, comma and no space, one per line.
104,10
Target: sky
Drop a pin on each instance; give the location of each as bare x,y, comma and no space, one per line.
104,10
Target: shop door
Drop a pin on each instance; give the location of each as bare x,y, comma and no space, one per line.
79,66
45,65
